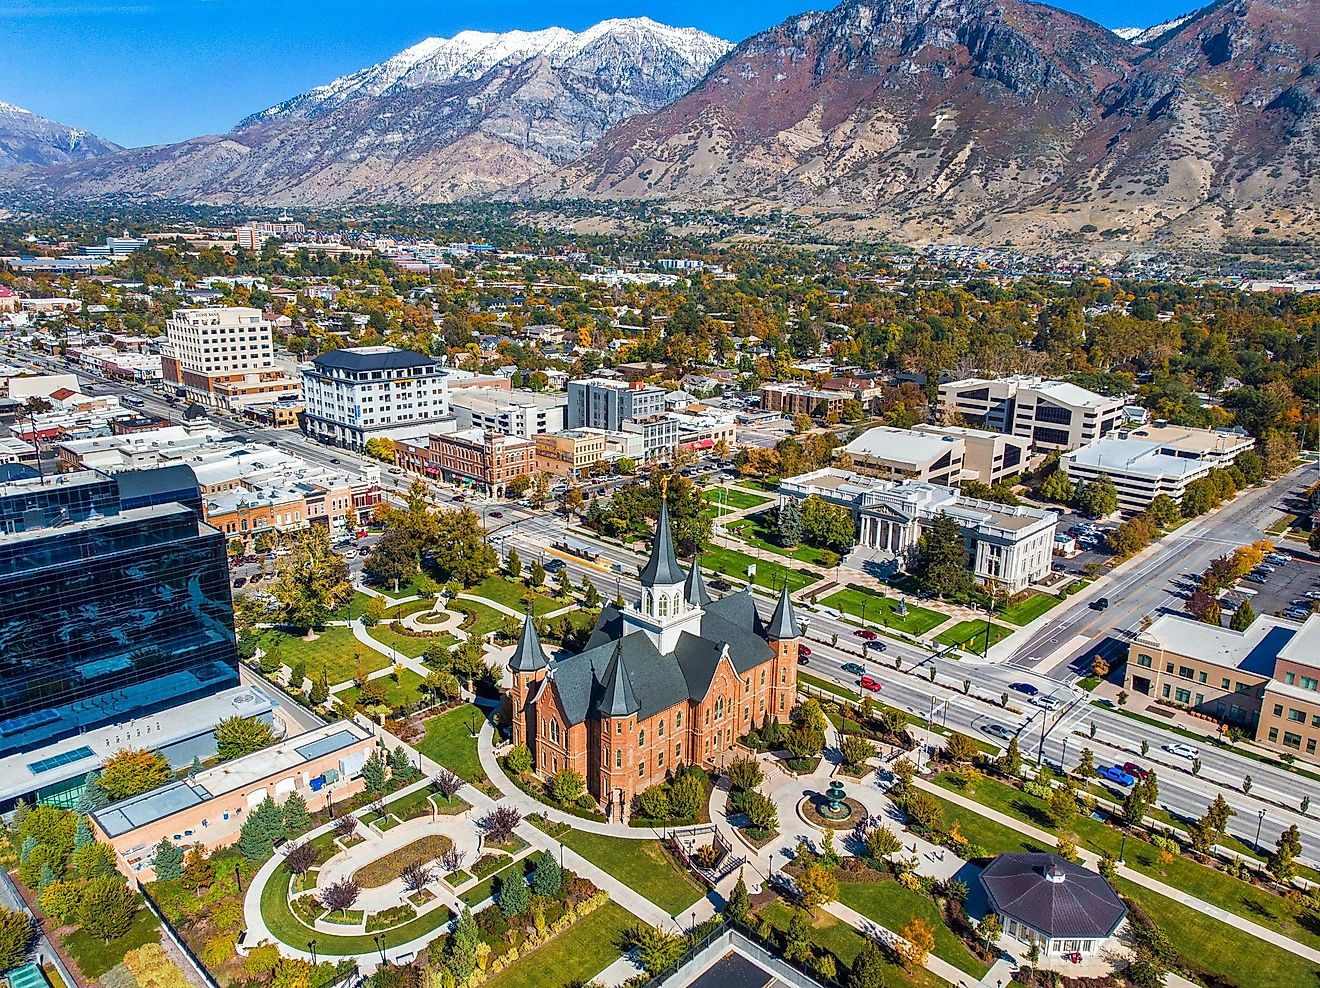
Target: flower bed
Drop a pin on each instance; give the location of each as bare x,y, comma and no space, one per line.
387,919
386,869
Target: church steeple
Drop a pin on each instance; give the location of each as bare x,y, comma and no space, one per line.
694,591
528,656
783,623
662,569
618,699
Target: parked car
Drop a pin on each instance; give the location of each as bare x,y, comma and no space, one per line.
864,633
876,644
239,581
1297,613
1115,774
1182,750
853,669
874,685
1100,603
998,731
1025,688
1265,568
804,659
1278,557
1256,578
1104,701
1313,595
1135,770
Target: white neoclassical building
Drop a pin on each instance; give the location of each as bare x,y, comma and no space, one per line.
1008,547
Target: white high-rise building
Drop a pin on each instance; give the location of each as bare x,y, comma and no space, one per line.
224,356
366,392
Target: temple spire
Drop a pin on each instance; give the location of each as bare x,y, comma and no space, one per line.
528,656
618,700
694,591
662,569
783,623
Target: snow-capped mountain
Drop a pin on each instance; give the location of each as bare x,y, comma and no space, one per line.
1144,37
27,139
446,117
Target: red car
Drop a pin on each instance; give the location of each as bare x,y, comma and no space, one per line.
874,685
868,635
803,650
1135,770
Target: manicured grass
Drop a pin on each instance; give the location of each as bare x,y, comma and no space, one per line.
891,905
406,589
406,691
352,609
971,635
769,484
1248,901
756,530
95,958
882,611
388,867
815,683
768,573
487,887
481,620
733,499
1029,608
509,593
845,943
288,929
449,741
335,648
643,864
410,645
582,951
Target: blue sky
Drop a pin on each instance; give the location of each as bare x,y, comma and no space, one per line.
151,71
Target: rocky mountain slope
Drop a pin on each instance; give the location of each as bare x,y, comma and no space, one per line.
445,118
997,119
27,139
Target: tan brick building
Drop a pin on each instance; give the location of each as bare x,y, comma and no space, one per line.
570,454
672,681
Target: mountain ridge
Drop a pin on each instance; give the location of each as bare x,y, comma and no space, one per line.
29,139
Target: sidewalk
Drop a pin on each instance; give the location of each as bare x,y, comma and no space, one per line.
1214,912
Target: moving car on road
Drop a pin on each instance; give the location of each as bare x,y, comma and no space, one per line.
874,685
1046,702
864,633
853,669
1135,770
1115,774
1100,603
998,731
1025,688
803,650
1182,750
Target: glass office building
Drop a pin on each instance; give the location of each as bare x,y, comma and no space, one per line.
114,604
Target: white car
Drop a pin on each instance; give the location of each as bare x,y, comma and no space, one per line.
1313,595
1182,750
1046,702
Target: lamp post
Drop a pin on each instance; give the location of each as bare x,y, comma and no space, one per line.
238,877
692,928
380,945
1121,848
1260,821
311,947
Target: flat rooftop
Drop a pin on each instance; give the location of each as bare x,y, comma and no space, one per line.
1254,650
1136,457
902,445
129,814
1197,442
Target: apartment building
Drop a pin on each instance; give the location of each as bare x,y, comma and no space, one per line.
1009,548
659,435
1051,414
798,399
362,393
514,413
902,454
224,357
487,460
1155,460
988,457
1265,680
570,454
603,403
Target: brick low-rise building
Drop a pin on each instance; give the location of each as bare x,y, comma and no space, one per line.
571,454
483,459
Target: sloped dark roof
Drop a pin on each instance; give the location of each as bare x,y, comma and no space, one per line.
783,623
1081,906
360,359
194,412
662,568
528,656
618,698
694,591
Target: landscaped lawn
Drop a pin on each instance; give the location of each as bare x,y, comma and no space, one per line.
644,865
756,530
406,691
352,610
891,905
845,943
1246,900
335,648
487,887
573,957
481,619
410,645
406,589
449,741
732,499
807,680
510,594
1029,608
882,611
95,958
971,635
768,573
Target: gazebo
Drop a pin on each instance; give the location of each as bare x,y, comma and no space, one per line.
1045,899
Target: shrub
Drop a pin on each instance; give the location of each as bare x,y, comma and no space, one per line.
745,774
519,759
107,908
17,932
567,786
653,802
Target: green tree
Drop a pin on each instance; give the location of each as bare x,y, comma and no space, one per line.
739,904
1097,497
1164,511
461,951
1198,498
460,551
567,786
17,933
868,970
320,691
296,818
262,828
790,523
1057,487
590,595
94,859
513,564
313,581
92,797
1243,616
565,584
107,908
828,526
547,879
1283,862
373,774
133,771
238,736
1061,807
393,559
168,862
942,558
1010,762
515,896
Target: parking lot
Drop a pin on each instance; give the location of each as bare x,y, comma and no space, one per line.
1286,584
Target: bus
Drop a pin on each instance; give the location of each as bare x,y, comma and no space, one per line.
576,549
133,400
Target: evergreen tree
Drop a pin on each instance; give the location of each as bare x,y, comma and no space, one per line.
264,826
1283,862
296,818
739,904
515,896
1243,616
92,797
461,952
565,584
942,558
790,523
320,690
868,970
548,878
590,595
373,773
513,564
399,763
47,877
169,861
537,577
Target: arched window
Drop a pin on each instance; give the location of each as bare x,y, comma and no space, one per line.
554,731
647,602
664,606
618,758
719,708
641,739
678,719
677,609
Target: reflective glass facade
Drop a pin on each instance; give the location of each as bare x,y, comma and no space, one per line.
107,612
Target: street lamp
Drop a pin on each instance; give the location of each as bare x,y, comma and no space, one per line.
1122,847
311,947
238,877
693,927
380,945
1260,821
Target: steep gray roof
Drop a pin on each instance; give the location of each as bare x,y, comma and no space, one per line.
528,656
662,568
617,699
694,591
1081,906
783,623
